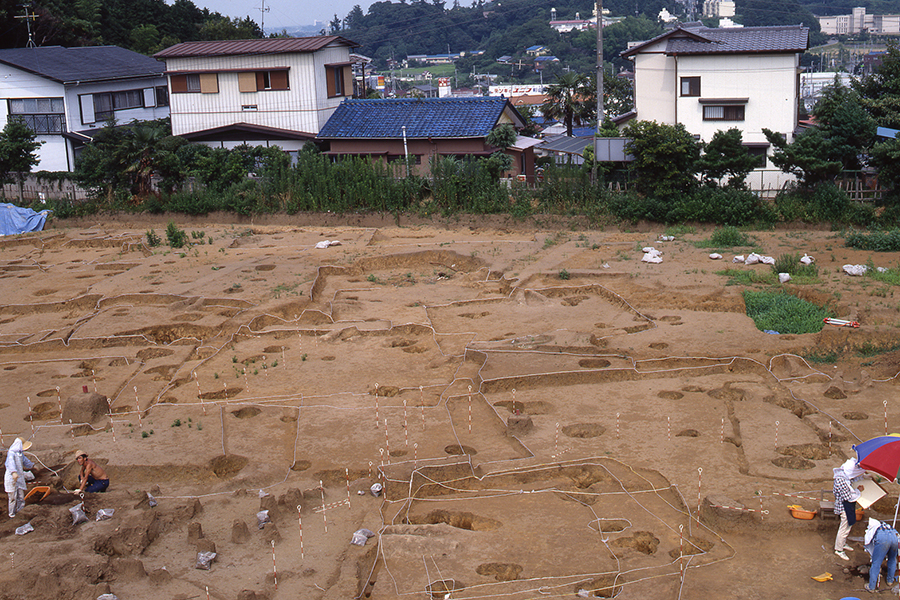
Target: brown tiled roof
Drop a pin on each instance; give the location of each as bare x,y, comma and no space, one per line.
735,40
244,47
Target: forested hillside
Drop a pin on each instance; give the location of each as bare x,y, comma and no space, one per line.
395,29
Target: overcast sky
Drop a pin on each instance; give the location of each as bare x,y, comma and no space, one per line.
285,13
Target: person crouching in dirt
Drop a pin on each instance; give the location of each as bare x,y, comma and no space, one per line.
845,497
92,477
17,472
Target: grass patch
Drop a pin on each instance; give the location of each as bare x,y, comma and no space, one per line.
868,349
748,277
726,237
889,276
876,241
821,357
790,263
776,311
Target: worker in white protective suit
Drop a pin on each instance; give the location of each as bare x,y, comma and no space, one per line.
18,467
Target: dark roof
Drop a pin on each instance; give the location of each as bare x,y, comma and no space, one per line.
736,40
567,145
242,131
245,47
422,117
92,63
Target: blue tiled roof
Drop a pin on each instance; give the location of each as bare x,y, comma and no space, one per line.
423,118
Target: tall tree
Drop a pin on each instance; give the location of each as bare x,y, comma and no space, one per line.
665,158
570,99
725,155
17,153
880,91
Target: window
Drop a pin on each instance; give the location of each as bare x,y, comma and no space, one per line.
249,107
162,95
690,86
259,81
730,112
205,83
338,80
41,115
105,104
760,152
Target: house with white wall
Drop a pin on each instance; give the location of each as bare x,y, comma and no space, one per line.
277,91
718,79
66,94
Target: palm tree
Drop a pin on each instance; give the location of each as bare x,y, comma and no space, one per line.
570,100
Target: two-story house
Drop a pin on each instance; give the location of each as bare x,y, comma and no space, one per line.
66,94
717,79
277,91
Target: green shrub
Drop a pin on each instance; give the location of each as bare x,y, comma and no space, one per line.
724,206
777,311
153,240
726,237
875,241
564,275
177,238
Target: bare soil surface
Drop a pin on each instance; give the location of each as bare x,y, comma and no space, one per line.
546,413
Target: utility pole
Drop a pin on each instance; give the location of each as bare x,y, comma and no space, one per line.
263,9
599,83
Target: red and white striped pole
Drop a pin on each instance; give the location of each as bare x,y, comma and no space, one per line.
137,405
377,420
556,441
347,473
207,592
681,551
722,437
699,487
776,436
370,469
59,402
94,377
885,417
830,423
416,456
617,425
669,428
405,428
324,516
422,400
200,394
300,523
274,568
246,381
387,442
30,415
761,512
470,409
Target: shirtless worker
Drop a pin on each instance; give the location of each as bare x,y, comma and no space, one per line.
92,477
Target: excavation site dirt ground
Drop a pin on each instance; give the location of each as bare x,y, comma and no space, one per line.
549,416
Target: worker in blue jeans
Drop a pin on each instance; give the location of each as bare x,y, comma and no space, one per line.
881,543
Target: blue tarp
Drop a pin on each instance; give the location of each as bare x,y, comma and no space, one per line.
14,219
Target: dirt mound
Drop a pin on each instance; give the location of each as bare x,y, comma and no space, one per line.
85,408
807,451
248,412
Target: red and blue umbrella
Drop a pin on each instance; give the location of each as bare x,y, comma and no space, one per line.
880,455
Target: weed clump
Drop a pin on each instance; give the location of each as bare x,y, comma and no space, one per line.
784,313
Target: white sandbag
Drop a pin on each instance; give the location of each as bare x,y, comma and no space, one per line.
807,259
767,260
715,256
105,513
649,249
204,560
666,238
326,243
854,270
738,259
784,277
881,269
652,258
361,536
78,515
752,259
26,528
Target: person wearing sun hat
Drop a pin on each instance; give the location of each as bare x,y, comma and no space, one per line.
845,497
92,477
17,464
